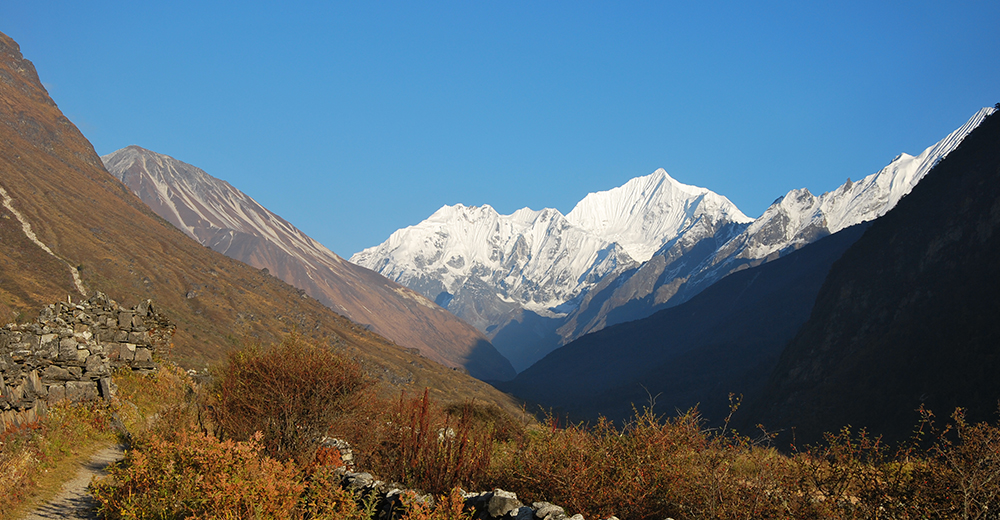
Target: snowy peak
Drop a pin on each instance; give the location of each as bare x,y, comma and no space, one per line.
534,258
800,217
541,260
647,212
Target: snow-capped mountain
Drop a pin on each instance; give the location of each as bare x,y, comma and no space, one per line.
530,259
671,277
490,269
535,280
229,221
647,212
797,218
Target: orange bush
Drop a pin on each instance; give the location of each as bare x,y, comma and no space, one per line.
414,441
291,392
199,476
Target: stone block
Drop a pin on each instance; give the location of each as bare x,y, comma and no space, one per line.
127,352
546,510
35,384
82,355
125,320
502,502
80,327
56,393
105,387
75,372
55,373
143,354
96,367
137,321
139,338
77,391
67,349
121,336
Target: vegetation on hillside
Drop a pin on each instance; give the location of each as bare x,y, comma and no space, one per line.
194,461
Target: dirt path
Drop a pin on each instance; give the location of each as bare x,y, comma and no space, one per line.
73,501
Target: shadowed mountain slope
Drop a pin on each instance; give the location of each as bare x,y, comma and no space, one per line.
725,339
908,316
227,220
91,224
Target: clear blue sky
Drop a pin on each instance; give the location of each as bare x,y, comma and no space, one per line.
353,119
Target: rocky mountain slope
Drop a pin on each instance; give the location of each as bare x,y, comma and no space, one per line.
907,317
91,224
681,239
229,221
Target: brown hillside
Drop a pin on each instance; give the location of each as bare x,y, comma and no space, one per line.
219,216
92,222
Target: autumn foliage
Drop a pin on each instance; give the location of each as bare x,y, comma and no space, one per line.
651,467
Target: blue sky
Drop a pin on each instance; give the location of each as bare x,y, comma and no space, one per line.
354,119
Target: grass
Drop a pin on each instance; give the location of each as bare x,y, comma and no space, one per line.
38,458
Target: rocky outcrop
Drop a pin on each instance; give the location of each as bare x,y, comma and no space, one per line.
70,351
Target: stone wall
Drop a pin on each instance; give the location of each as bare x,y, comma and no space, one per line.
387,503
70,350
485,505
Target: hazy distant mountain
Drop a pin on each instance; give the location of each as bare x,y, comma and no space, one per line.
221,217
489,269
91,224
907,316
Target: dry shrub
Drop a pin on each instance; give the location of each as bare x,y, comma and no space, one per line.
447,507
414,441
291,392
19,464
652,467
197,475
164,400
963,477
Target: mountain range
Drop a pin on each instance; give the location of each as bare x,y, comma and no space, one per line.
68,228
861,328
906,318
535,280
229,221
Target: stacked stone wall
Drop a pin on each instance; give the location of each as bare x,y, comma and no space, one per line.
70,351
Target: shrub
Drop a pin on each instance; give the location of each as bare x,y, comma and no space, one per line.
197,475
417,443
290,392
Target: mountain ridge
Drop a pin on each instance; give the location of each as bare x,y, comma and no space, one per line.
119,246
697,238
227,220
906,317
